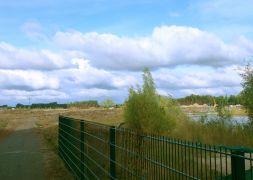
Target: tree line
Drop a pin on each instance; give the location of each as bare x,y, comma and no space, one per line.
188,100
53,105
210,100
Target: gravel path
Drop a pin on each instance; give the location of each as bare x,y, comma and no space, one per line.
21,155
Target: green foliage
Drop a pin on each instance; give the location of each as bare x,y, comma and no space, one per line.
247,93
5,107
107,103
222,110
84,104
209,100
52,105
145,111
19,105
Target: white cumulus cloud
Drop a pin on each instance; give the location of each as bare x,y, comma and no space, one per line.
27,80
167,46
19,58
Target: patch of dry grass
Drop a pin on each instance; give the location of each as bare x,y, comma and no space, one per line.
100,115
48,120
10,119
47,126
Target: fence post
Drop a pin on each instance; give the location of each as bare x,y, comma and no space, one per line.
59,136
238,165
82,148
112,153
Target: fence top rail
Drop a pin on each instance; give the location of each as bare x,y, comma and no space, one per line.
87,121
198,145
237,148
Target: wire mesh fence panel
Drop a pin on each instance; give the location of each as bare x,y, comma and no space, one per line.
96,151
84,148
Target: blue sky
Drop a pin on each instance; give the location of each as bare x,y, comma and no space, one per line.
95,49
129,18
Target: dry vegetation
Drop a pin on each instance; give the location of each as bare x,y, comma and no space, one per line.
47,128
48,120
10,119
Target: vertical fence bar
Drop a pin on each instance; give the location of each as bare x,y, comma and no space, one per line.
215,165
59,136
112,153
251,166
221,174
238,165
205,161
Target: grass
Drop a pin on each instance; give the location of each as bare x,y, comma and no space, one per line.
213,133
3,124
238,112
48,120
175,156
9,120
47,128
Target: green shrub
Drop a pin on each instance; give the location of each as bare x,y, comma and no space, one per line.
107,103
145,110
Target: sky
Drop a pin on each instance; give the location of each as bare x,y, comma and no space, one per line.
73,50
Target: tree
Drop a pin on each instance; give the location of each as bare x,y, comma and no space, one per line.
224,115
247,92
107,103
143,110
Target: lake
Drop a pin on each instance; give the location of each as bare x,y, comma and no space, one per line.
210,116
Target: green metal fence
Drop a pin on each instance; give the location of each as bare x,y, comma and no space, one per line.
96,151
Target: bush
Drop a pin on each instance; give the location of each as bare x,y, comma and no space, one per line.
107,103
83,104
144,110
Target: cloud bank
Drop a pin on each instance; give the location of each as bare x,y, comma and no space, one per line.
30,59
167,46
183,60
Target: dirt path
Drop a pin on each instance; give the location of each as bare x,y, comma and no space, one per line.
21,154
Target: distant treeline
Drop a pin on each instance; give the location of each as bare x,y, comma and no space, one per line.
210,100
51,105
5,107
84,104
54,105
188,100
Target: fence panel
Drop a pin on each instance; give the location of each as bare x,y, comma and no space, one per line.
96,151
